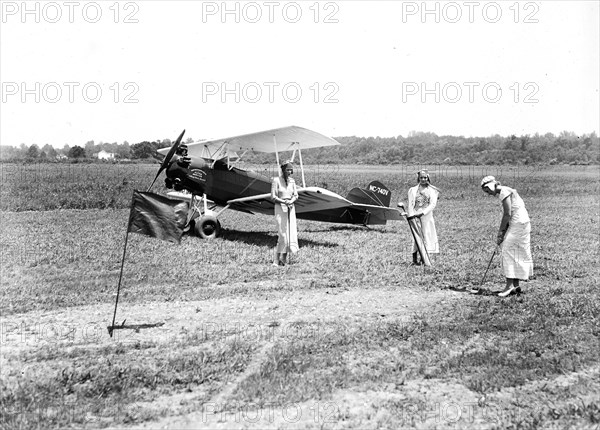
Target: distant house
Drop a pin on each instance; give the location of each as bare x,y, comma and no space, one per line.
61,157
103,155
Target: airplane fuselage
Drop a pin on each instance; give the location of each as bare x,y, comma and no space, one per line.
219,182
223,184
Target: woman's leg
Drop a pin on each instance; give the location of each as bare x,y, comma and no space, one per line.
281,240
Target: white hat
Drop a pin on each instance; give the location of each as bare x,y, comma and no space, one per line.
490,182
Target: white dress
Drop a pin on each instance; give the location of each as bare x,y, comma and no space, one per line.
425,199
284,216
516,249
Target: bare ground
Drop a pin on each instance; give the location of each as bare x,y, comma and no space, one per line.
256,319
263,320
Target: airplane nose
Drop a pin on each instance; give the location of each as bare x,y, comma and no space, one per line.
187,173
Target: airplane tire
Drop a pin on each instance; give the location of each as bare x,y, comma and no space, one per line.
207,227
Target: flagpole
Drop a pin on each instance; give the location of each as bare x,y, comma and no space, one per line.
110,329
289,235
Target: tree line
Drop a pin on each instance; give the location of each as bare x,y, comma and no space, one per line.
417,147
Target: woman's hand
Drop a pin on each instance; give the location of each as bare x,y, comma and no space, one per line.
500,238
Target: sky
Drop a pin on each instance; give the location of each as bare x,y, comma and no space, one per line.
113,71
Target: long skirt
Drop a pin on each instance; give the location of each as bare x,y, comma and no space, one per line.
516,252
429,235
287,229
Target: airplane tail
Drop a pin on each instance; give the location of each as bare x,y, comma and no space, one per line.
375,194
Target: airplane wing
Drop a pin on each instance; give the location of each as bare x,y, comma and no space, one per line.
287,138
309,199
319,204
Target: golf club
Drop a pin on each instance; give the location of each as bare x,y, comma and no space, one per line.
488,266
477,290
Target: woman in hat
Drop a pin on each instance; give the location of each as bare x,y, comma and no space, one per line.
284,194
422,200
513,235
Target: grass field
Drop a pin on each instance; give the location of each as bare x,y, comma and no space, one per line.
348,336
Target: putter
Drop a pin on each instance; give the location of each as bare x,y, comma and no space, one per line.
488,266
478,289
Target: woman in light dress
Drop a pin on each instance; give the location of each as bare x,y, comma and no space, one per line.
422,200
284,194
513,235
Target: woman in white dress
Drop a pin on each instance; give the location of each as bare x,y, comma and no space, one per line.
422,200
284,194
513,235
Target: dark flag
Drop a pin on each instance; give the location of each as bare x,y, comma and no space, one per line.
415,228
157,216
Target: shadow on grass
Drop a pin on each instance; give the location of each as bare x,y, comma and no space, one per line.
268,239
477,291
347,227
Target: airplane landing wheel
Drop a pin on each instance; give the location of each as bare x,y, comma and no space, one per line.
207,227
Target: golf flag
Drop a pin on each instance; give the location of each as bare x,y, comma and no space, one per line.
157,216
415,228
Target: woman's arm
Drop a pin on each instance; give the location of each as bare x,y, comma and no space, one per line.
275,191
505,218
294,193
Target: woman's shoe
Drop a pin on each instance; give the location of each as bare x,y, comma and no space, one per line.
507,292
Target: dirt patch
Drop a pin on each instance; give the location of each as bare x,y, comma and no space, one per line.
265,318
261,320
86,325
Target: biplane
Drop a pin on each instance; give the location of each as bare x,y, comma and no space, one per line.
204,173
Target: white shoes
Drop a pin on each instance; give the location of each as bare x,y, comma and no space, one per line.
510,290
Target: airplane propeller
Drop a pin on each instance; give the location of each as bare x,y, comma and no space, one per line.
168,158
